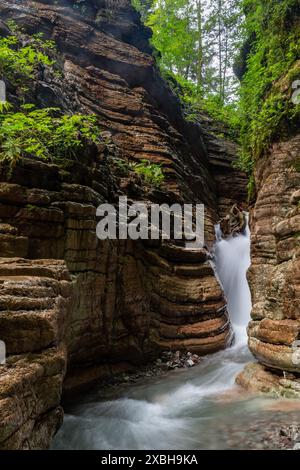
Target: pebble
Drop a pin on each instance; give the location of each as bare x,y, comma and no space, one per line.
168,361
190,363
180,359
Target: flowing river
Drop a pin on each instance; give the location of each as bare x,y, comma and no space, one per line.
197,408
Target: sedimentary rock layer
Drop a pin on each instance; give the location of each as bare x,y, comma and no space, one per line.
34,301
274,275
100,307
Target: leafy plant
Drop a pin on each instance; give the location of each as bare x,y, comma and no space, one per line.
122,166
271,67
194,103
43,134
196,40
150,172
18,63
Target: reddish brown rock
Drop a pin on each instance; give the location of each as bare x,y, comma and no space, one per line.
234,222
114,304
256,377
30,392
275,271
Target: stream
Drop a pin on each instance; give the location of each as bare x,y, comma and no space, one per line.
197,408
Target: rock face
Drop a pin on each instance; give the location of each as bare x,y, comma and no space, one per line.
234,222
222,150
274,275
34,300
67,299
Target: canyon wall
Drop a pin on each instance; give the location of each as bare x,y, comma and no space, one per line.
274,275
274,148
68,301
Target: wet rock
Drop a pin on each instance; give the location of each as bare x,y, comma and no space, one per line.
274,273
233,223
190,363
108,302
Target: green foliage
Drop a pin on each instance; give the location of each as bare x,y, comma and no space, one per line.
173,37
194,104
43,134
196,40
151,173
144,7
31,208
122,166
229,113
19,62
265,94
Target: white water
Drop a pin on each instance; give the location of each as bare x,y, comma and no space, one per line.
232,260
187,409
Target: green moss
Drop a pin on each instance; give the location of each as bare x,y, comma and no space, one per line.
31,208
251,188
294,72
193,104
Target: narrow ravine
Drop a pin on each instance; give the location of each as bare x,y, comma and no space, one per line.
198,408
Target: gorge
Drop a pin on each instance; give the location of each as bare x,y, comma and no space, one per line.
182,408
76,311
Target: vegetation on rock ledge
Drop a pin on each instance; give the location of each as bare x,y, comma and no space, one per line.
44,134
21,55
151,173
273,31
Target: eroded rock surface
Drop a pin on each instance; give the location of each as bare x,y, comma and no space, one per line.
68,298
274,275
234,222
34,302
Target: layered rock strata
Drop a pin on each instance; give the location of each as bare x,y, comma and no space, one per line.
68,299
274,276
222,150
34,302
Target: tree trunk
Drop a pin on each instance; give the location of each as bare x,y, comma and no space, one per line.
200,46
220,6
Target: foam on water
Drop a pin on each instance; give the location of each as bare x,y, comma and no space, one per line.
232,259
181,410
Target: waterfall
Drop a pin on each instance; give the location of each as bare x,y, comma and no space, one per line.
187,409
232,260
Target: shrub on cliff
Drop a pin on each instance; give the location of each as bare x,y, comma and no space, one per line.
151,173
270,68
21,55
44,134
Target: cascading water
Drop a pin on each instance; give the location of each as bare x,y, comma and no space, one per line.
198,408
232,260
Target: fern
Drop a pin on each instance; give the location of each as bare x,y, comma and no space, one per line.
43,134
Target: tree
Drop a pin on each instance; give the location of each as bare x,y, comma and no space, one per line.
197,40
144,7
223,27
174,35
200,55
